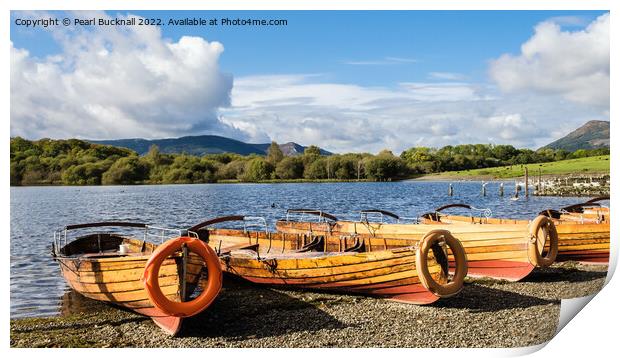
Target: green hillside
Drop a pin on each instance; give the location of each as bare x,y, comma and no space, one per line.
598,165
592,135
201,145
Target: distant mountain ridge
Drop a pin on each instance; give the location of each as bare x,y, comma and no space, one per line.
290,149
201,145
592,135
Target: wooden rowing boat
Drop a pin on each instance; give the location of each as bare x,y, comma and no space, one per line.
587,212
107,266
583,229
347,263
507,251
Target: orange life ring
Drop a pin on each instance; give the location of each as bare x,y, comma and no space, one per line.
453,287
535,249
151,277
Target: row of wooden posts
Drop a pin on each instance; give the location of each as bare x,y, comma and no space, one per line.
501,186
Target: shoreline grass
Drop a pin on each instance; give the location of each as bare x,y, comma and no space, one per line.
589,165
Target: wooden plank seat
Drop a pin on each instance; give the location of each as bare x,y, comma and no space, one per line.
289,255
317,244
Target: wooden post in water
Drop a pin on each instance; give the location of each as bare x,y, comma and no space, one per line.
450,190
501,189
526,184
517,187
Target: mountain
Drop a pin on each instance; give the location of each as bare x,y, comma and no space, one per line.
290,149
201,145
592,135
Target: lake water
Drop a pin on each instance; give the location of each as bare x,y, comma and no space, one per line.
37,288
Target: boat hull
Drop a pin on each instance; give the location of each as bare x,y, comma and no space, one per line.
579,239
498,251
117,280
387,273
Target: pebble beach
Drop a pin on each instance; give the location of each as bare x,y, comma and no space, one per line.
486,313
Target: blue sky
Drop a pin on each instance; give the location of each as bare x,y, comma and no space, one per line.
325,41
352,52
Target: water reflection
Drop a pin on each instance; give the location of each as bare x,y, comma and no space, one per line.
72,302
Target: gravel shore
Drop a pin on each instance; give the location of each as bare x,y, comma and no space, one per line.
487,313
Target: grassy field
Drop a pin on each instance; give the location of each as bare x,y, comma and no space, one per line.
590,165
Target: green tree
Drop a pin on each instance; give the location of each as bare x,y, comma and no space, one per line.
384,166
16,174
129,170
257,169
504,152
274,154
579,153
85,174
290,168
20,145
153,157
311,153
316,169
417,155
233,170
186,169
312,150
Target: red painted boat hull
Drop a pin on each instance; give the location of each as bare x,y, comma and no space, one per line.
498,269
395,291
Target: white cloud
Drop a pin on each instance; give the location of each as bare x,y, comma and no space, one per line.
348,117
382,62
448,76
119,83
574,65
112,82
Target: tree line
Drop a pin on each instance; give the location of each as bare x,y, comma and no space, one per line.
76,162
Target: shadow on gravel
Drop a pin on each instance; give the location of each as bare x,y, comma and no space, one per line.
244,311
77,326
479,298
553,274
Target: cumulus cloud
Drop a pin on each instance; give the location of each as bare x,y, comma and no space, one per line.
348,117
113,82
559,81
119,83
574,65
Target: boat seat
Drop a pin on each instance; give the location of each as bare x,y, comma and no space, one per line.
288,255
317,244
105,254
359,246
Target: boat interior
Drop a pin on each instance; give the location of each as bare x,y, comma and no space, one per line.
268,244
105,240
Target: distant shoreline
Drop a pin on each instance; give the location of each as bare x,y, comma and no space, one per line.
440,177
